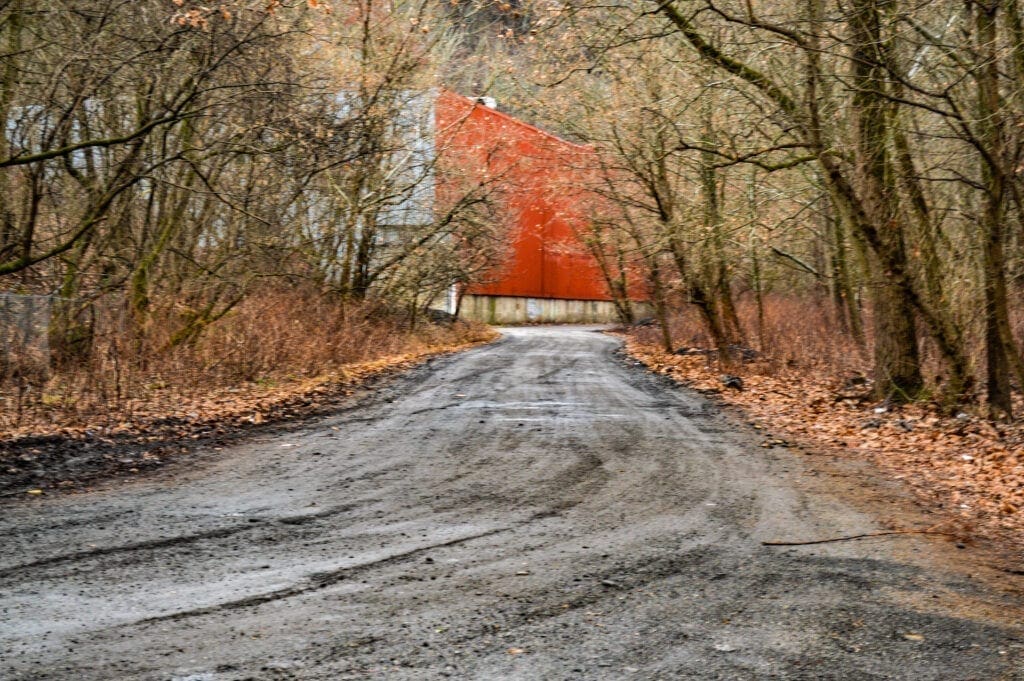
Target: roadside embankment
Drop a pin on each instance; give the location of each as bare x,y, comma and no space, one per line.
61,447
962,465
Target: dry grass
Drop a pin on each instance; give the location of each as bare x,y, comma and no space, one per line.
797,331
272,347
801,332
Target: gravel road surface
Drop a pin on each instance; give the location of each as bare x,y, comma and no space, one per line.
534,509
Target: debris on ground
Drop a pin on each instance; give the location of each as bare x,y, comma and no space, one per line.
39,456
731,382
961,464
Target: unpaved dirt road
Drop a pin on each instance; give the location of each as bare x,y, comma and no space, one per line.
534,509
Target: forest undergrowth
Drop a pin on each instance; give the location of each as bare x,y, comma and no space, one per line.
276,352
809,384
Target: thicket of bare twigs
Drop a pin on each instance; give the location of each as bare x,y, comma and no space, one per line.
859,163
801,331
791,331
207,193
275,345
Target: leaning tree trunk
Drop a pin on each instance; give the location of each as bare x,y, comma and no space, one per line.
698,295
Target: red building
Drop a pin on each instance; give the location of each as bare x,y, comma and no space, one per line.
549,275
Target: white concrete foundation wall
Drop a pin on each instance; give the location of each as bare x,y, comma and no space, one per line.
515,310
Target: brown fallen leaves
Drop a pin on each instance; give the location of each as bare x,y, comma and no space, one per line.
963,464
190,414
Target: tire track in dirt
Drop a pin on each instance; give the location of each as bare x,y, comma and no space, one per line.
538,508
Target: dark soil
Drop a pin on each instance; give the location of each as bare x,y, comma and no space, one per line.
75,461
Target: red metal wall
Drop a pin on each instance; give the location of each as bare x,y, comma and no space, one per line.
542,184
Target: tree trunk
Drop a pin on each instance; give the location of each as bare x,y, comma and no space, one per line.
997,326
897,359
717,277
659,301
698,296
844,300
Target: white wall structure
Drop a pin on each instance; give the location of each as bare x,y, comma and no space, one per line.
516,310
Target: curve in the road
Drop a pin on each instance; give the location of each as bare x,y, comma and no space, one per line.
533,509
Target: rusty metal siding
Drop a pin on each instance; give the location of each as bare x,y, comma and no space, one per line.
543,182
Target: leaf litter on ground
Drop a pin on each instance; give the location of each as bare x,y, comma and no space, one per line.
964,465
169,416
